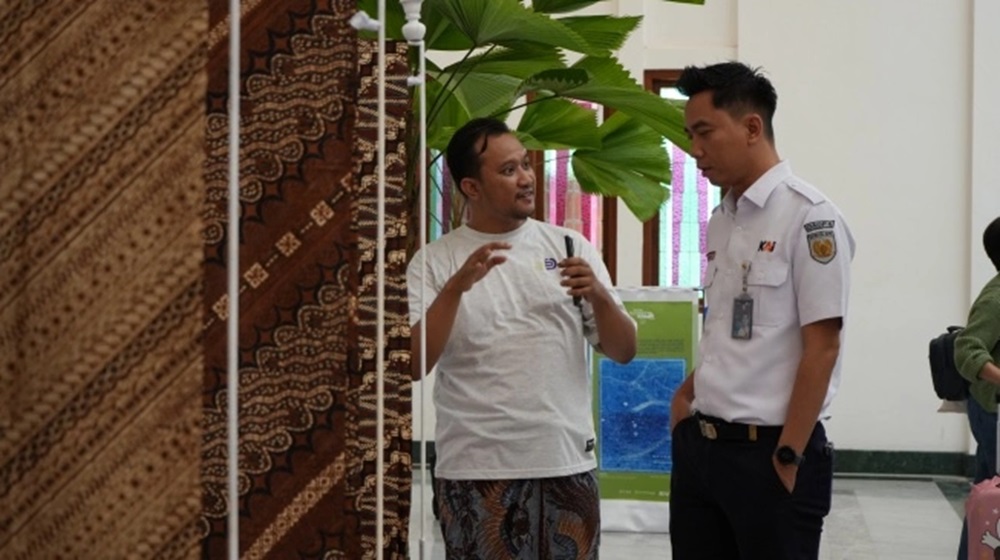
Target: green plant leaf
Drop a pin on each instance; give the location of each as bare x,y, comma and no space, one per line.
482,95
438,138
611,85
634,145
558,6
508,23
607,71
441,34
521,62
556,81
606,33
631,164
651,109
450,115
512,50
642,196
552,124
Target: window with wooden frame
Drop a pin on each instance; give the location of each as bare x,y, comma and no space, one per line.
673,248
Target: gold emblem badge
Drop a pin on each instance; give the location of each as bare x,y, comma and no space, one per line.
822,246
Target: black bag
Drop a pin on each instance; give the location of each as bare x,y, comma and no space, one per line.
948,383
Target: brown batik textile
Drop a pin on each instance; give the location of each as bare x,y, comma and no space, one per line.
101,152
397,384
307,478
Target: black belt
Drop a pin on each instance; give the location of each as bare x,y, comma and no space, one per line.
718,429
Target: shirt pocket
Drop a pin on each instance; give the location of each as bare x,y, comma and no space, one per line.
774,298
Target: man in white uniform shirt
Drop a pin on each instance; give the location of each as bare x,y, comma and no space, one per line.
509,319
752,468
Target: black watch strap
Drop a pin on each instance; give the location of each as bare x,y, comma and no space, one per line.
787,456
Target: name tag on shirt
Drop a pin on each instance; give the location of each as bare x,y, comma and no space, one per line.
743,317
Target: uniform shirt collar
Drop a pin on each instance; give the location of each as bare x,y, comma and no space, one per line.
761,189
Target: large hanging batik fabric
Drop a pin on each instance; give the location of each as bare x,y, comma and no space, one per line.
101,157
307,477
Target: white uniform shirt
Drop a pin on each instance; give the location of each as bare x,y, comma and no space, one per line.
512,390
799,251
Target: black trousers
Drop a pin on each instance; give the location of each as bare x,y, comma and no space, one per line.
727,502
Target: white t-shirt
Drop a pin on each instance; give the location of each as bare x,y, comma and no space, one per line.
512,392
799,251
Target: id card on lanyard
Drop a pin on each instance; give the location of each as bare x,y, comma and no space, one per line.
743,309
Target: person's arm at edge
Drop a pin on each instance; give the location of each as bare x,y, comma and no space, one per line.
990,372
821,293
680,406
615,328
441,316
444,309
980,336
820,350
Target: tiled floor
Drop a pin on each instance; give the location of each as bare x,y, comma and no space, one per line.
872,519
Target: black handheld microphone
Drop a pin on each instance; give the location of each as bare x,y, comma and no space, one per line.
569,254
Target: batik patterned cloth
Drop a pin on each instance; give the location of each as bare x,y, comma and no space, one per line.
307,400
101,154
112,283
555,518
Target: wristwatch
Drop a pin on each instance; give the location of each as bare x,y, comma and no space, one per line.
787,456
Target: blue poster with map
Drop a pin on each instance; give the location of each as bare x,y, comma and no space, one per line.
632,408
635,413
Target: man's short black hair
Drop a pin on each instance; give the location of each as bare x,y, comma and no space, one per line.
991,242
736,88
462,155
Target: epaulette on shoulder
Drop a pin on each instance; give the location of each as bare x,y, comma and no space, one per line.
808,191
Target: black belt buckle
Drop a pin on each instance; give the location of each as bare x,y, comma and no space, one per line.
707,429
732,432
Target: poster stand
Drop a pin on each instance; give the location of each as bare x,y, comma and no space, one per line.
632,408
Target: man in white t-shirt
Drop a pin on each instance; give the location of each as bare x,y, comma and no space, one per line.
752,468
508,319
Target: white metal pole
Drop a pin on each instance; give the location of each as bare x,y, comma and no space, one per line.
424,553
380,299
233,325
414,31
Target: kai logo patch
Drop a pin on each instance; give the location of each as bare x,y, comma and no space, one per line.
822,240
766,246
551,264
822,245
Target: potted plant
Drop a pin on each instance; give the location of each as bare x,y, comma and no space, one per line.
517,57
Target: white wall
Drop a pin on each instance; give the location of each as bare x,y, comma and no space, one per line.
875,111
876,108
984,203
